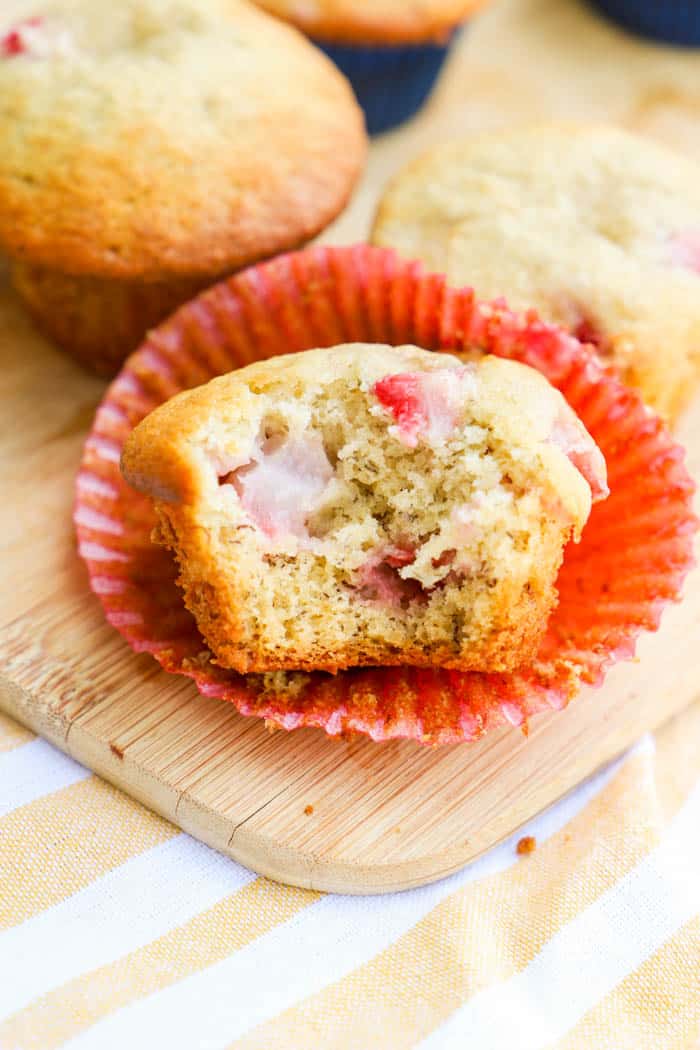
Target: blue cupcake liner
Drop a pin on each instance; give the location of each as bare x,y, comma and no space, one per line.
391,83
673,22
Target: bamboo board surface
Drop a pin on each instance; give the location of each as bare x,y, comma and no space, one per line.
384,817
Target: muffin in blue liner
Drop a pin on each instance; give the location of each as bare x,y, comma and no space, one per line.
391,51
391,83
672,23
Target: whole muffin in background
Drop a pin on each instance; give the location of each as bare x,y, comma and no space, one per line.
374,21
392,51
672,23
368,505
149,147
595,228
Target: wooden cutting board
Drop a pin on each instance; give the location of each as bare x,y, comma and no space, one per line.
346,816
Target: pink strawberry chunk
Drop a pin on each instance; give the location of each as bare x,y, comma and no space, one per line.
425,405
570,435
16,41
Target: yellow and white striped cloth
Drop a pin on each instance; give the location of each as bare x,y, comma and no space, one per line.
118,932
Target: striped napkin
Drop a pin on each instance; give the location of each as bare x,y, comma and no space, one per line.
118,932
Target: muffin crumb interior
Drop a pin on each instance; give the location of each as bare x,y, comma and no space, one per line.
376,516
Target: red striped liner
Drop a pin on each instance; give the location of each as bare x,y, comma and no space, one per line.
635,553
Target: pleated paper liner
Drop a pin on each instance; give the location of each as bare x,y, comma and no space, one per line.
635,551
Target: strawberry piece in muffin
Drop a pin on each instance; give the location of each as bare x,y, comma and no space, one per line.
37,38
17,41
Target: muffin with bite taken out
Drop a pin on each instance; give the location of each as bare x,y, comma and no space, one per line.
369,505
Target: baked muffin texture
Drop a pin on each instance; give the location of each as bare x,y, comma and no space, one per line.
374,21
594,227
151,146
368,505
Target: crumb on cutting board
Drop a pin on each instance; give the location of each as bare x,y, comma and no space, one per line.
527,844
308,810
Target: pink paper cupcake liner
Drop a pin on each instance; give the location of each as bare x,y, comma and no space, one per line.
635,552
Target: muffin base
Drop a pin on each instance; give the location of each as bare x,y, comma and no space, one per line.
98,321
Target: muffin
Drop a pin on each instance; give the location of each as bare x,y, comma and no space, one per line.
635,551
367,505
150,146
673,23
595,228
391,51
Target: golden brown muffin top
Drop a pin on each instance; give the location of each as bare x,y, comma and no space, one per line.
152,138
374,21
